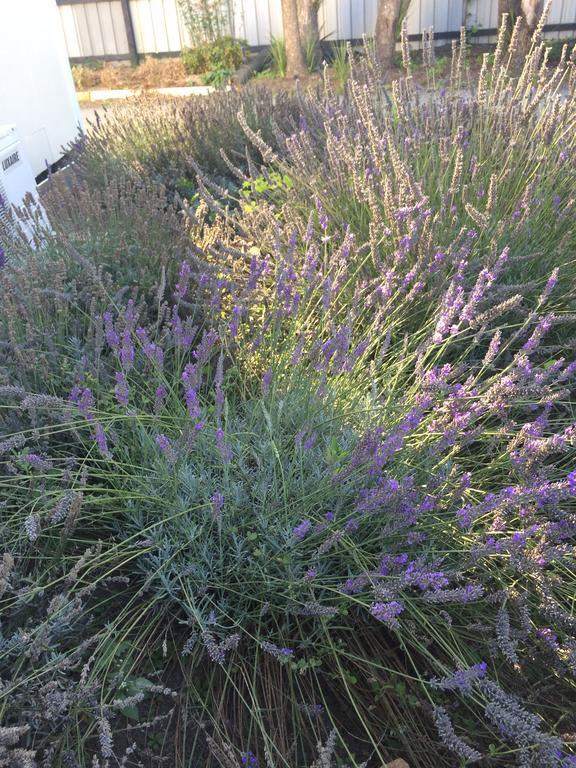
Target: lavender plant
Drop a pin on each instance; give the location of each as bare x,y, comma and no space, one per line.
162,140
95,250
270,498
412,167
324,483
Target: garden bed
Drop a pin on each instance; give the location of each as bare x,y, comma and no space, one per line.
154,73
287,430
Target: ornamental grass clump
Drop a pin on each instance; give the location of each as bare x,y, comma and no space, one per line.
318,491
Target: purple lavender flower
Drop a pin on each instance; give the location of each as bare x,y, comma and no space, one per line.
549,637
204,349
351,525
266,380
310,441
217,651
314,608
166,447
388,612
541,329
38,462
235,321
514,722
451,739
355,585
461,679
126,350
312,710
111,336
223,447
159,397
572,483
32,527
101,440
302,529
550,285
274,650
121,390
466,594
322,217
190,378
150,349
217,505
84,399
327,286
183,334
249,760
183,280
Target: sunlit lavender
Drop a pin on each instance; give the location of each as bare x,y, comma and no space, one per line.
288,472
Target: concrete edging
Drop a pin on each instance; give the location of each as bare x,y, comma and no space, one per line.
126,93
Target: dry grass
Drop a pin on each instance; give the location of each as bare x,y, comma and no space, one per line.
150,73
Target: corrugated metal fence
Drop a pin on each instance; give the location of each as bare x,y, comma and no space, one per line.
97,28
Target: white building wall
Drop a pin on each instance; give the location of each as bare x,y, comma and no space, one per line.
36,87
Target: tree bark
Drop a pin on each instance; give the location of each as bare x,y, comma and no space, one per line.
512,7
532,10
387,19
294,55
529,10
309,29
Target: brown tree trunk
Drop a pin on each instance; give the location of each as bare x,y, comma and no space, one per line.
387,19
512,7
294,56
532,10
309,30
529,10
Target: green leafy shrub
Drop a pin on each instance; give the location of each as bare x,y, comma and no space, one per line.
301,475
218,78
226,53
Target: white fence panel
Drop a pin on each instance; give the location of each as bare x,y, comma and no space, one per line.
67,17
143,26
97,28
175,29
119,28
275,13
83,28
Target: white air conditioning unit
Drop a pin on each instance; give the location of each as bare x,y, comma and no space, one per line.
16,183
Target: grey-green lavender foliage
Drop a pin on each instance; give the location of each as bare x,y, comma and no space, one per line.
315,467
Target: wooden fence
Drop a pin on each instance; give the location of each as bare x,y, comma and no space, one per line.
117,29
